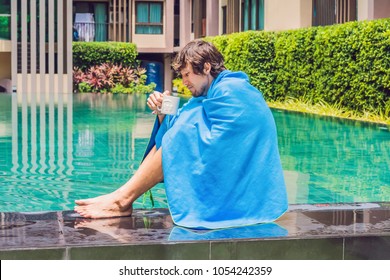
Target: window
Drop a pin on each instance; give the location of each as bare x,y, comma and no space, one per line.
5,19
252,15
224,17
91,21
326,12
149,17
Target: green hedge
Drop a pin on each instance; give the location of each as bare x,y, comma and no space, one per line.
250,51
5,27
87,54
346,64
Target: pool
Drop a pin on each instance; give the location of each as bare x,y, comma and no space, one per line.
58,149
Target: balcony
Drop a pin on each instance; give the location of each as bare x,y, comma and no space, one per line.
90,32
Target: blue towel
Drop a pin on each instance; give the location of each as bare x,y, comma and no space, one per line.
220,158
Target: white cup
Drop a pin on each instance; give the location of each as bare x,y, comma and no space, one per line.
170,105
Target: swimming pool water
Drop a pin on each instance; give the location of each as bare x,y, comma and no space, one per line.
331,160
56,150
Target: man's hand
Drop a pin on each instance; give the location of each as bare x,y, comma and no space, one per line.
154,102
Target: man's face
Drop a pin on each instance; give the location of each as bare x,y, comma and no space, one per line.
198,84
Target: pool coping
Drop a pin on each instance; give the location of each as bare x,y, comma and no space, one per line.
305,231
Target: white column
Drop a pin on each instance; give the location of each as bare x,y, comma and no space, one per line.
185,22
14,40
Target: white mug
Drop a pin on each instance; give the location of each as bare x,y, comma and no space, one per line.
170,105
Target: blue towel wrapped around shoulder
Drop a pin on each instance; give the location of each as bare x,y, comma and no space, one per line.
220,158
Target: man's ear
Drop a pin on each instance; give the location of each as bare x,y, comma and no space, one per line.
206,68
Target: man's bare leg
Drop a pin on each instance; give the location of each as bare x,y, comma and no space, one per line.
119,203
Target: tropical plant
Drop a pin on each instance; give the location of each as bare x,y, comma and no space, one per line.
113,78
78,77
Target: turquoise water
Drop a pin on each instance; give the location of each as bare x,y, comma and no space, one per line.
56,150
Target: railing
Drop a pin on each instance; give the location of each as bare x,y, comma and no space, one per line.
327,12
90,32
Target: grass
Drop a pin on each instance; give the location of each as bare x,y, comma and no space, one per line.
325,109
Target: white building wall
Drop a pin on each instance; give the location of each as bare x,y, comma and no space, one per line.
284,15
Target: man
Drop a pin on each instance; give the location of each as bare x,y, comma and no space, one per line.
218,157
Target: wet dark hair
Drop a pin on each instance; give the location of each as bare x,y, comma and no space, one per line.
197,53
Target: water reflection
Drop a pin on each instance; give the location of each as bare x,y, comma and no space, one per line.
68,146
331,160
270,230
159,226
40,135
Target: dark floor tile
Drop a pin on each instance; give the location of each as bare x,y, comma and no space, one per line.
367,248
31,234
33,254
223,250
183,251
293,249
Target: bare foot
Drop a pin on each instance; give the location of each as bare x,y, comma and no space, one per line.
105,206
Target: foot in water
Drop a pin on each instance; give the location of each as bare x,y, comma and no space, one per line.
105,206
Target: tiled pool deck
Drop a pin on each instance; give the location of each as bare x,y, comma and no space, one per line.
305,232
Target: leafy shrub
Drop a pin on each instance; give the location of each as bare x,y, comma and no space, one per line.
346,65
352,64
109,77
84,87
181,88
293,64
253,52
87,54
